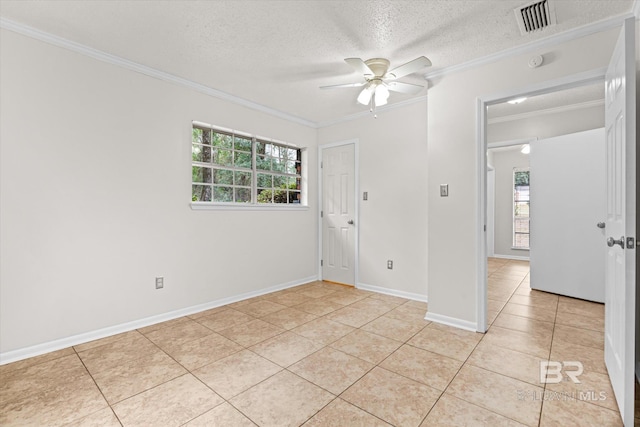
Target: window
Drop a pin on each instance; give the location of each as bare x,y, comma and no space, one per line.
520,208
232,168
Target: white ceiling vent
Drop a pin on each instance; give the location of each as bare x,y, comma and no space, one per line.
535,16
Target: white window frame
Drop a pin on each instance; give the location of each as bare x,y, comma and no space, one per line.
253,204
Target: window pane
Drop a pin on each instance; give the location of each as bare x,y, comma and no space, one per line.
242,144
222,140
260,147
200,193
201,153
243,178
222,157
223,194
290,167
280,195
196,136
265,196
294,197
199,174
263,163
221,176
265,180
243,195
282,152
242,160
521,178
279,165
292,183
293,154
280,181
268,149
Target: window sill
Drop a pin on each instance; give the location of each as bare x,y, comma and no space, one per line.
520,249
204,206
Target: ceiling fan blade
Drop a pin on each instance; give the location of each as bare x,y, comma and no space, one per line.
404,87
359,65
408,68
343,85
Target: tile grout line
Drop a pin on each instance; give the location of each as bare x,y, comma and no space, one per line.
98,387
469,356
544,388
457,373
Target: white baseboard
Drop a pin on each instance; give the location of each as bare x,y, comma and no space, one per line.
59,344
392,292
513,257
451,321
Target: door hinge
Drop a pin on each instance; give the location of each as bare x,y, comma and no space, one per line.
321,214
321,262
321,165
485,227
631,243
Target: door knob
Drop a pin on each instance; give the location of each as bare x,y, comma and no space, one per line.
601,225
611,241
350,222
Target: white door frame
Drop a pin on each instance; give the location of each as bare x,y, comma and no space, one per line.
567,82
491,212
356,171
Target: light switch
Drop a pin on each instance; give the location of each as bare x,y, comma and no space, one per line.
444,190
365,195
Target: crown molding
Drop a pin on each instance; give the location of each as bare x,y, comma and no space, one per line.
368,113
170,78
555,39
143,69
554,110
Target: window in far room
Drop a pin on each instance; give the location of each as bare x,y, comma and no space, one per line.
521,208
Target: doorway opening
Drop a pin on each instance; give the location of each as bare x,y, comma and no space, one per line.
483,105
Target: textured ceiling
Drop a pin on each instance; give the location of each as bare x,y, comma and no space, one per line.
278,53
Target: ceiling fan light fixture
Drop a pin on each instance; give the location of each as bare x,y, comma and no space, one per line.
365,96
381,95
379,80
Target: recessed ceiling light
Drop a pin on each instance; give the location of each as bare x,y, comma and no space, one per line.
517,101
526,149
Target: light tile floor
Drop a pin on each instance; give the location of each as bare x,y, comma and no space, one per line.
328,355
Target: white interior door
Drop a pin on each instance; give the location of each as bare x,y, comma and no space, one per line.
620,223
568,200
338,214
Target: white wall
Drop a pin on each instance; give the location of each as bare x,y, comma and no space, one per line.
94,201
547,125
393,171
504,161
453,254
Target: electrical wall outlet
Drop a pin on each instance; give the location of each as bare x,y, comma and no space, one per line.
365,195
444,190
159,282
390,265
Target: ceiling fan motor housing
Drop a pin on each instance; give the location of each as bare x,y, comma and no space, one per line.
379,66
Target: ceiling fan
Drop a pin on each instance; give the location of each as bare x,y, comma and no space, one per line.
379,80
